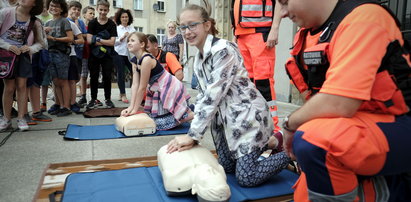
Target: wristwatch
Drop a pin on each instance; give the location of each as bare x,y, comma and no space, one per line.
285,125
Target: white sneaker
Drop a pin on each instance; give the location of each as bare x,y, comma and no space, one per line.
22,124
4,124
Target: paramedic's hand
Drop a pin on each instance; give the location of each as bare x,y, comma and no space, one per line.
15,50
180,143
288,143
272,39
24,49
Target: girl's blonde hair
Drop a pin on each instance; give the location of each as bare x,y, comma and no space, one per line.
174,23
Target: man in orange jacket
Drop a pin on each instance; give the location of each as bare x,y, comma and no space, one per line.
356,121
167,59
256,25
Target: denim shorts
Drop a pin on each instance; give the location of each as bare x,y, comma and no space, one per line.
46,78
84,68
59,65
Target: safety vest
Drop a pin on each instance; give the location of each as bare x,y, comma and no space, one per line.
307,68
256,13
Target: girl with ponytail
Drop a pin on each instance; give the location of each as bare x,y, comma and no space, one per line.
228,103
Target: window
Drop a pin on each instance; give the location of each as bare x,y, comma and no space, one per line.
138,4
161,33
138,29
161,6
118,3
402,9
92,2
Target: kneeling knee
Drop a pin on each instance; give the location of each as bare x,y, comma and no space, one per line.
305,151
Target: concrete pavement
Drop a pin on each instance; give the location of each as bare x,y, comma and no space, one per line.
25,155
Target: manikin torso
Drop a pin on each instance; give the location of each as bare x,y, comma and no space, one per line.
195,169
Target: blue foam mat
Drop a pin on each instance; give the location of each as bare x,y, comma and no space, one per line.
100,132
145,184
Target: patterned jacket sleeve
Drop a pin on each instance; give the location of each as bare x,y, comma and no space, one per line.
223,66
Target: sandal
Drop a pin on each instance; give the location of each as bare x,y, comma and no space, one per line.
120,98
123,98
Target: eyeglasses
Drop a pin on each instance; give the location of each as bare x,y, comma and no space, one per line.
191,27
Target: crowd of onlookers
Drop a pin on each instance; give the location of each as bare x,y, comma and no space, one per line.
69,46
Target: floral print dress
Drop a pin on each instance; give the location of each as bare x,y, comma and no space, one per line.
228,102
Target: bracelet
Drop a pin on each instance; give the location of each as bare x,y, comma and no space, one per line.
285,125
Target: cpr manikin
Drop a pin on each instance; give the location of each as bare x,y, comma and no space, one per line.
195,169
138,124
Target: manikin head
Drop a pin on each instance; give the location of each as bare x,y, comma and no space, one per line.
195,169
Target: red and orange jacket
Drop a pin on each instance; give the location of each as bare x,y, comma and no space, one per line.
252,16
357,56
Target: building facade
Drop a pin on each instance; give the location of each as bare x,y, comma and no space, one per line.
151,17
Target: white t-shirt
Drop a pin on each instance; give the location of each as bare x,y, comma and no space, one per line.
76,31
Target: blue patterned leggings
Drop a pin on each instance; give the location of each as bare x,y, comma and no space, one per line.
249,170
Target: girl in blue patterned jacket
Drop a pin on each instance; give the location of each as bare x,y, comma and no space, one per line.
229,103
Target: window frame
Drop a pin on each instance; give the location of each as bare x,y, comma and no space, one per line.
160,36
161,9
136,4
139,29
118,3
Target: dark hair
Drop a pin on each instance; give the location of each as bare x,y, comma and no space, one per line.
141,37
74,4
203,13
37,8
120,12
152,38
62,3
85,9
103,3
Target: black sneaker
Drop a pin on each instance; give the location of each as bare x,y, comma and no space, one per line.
54,109
82,101
98,103
43,107
91,104
64,112
109,104
75,108
29,120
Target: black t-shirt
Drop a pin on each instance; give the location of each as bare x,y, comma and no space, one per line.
94,27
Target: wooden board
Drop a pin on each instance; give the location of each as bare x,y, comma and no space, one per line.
59,170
